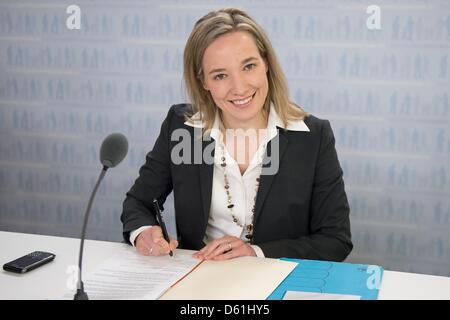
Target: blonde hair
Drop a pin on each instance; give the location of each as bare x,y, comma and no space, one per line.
209,28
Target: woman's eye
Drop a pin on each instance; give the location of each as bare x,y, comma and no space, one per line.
250,66
220,76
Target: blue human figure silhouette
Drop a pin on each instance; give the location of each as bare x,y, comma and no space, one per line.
55,157
346,27
415,141
413,215
298,27
408,29
367,242
443,67
129,90
319,65
355,65
125,24
390,243
445,105
94,59
19,57
396,28
443,177
59,92
439,247
406,104
166,59
418,67
384,66
392,174
147,59
135,26
401,246
369,103
345,101
139,95
310,29
105,25
29,28
343,64
109,92
45,23
54,28
84,58
168,26
448,26
437,213
393,64
68,59
9,56
68,215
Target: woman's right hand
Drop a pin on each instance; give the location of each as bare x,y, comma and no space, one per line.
151,242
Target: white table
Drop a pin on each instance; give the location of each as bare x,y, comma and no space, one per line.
48,281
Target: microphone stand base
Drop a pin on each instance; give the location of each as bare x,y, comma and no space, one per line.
81,295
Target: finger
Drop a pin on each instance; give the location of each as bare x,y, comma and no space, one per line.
239,249
201,254
213,245
227,255
162,245
219,250
228,244
209,248
173,244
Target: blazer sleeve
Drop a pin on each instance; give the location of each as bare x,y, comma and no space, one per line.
330,237
154,182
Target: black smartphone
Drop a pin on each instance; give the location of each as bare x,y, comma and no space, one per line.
29,262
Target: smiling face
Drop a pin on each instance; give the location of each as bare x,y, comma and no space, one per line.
236,76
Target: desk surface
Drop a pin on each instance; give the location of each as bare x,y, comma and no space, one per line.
49,281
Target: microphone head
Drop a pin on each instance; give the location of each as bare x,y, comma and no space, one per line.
113,150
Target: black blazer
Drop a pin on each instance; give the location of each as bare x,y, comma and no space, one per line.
301,212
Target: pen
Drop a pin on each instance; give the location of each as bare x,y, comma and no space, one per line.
161,223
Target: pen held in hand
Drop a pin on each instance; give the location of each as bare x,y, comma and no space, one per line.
161,223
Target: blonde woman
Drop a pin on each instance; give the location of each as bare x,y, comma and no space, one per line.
252,173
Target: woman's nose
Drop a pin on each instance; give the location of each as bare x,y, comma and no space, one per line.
238,86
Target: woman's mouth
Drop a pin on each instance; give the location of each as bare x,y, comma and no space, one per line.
242,103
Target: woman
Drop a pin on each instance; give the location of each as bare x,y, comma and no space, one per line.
261,179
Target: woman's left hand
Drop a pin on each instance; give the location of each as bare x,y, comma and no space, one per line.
225,248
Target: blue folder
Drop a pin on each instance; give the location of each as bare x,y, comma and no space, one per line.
331,277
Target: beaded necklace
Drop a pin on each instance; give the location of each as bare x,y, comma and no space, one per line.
248,228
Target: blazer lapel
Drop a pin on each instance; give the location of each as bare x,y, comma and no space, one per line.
206,179
265,182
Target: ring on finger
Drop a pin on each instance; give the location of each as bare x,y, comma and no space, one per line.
229,246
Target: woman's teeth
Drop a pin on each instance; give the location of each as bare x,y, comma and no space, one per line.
242,102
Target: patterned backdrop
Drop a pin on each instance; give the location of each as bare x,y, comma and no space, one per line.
385,91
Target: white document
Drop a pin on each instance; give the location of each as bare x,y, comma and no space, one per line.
302,295
243,278
128,275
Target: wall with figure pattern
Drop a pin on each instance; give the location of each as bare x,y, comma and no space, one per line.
385,91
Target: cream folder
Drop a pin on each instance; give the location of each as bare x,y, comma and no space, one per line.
243,278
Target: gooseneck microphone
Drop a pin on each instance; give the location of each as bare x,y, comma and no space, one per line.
113,150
